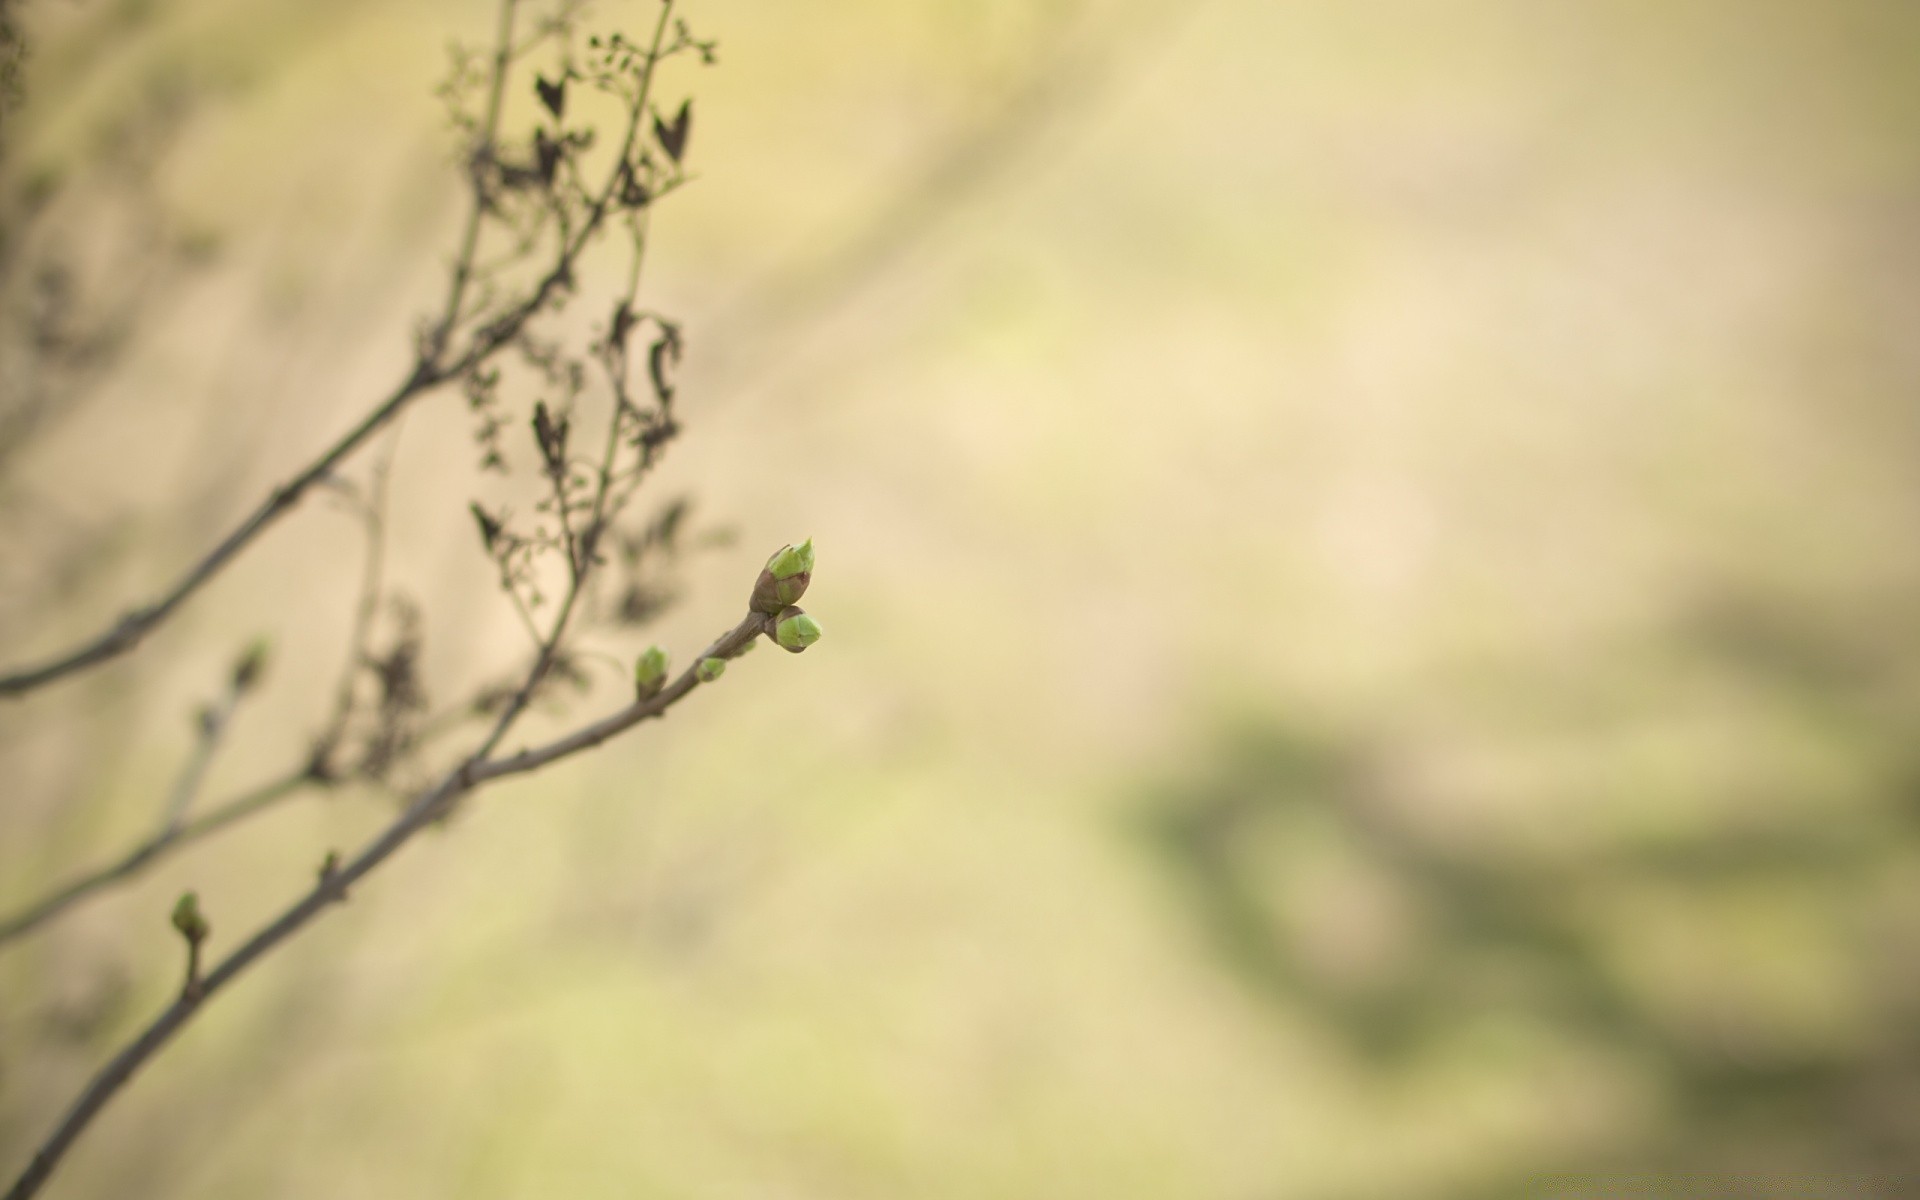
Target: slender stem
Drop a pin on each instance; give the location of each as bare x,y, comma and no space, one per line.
144,855
586,737
192,984
481,155
132,628
212,723
367,604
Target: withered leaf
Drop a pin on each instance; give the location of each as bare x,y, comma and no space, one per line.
665,350
673,138
553,95
489,525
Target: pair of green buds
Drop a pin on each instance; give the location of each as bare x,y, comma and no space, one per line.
782,581
650,671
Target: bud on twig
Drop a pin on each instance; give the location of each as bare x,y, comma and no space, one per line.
194,928
187,918
252,662
795,630
784,579
649,673
711,669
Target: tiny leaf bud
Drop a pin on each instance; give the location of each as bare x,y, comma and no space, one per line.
650,672
795,630
711,669
187,918
252,662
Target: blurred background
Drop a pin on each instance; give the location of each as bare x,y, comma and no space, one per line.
1368,553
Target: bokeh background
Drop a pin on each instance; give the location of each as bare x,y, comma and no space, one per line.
1369,561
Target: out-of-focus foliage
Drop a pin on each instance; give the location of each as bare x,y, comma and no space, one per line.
1370,552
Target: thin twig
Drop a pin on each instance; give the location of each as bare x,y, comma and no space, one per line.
477,161
211,726
726,646
367,602
138,859
137,624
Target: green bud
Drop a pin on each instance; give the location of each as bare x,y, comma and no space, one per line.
650,672
187,918
792,560
711,669
251,663
796,630
785,578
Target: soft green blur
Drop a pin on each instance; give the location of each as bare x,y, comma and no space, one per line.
1370,552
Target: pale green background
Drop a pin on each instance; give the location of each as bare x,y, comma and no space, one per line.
1368,553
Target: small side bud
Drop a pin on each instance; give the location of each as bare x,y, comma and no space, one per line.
250,666
711,669
187,918
784,579
650,672
795,630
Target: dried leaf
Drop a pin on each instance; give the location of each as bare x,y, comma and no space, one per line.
673,138
489,526
666,350
553,95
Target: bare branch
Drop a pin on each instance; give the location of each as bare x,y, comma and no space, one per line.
331,888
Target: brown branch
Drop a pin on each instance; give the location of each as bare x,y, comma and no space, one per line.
728,645
471,774
367,603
